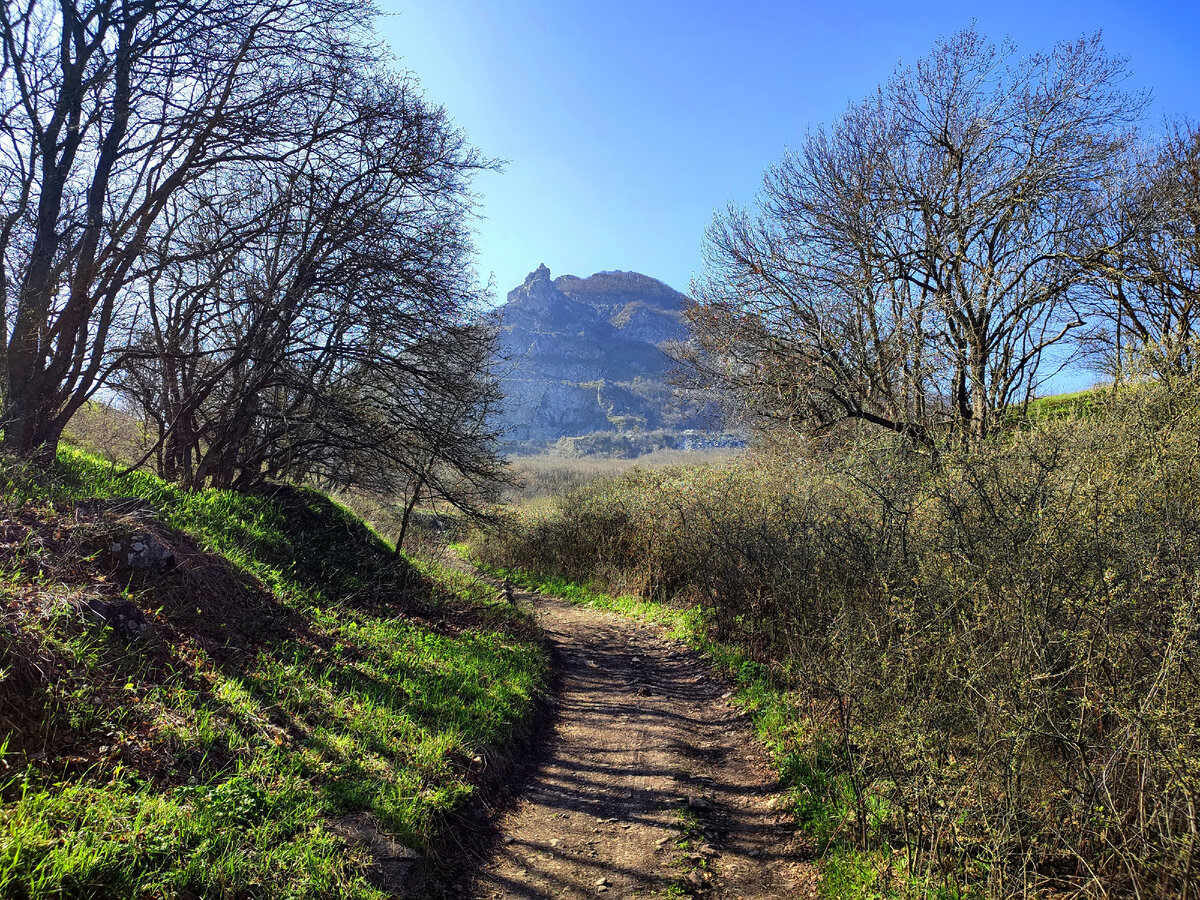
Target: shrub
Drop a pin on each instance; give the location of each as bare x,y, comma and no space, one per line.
1001,644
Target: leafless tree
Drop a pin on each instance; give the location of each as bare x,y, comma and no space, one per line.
912,266
1148,302
108,108
442,446
312,316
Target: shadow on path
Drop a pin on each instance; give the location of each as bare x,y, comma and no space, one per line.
649,779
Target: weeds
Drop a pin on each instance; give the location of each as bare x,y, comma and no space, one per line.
551,475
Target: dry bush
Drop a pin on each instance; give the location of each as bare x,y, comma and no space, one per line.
1002,646
116,435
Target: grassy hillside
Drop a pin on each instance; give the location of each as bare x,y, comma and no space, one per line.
298,698
1079,404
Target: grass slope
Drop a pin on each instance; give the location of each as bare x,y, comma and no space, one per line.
296,679
1077,405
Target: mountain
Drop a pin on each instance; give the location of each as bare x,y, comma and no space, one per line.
584,356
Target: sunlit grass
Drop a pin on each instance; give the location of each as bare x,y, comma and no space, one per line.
215,765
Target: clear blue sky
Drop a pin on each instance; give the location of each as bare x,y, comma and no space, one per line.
626,124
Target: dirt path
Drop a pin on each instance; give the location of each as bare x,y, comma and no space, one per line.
646,753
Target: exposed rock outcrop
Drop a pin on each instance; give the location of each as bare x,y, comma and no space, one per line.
121,616
585,355
142,551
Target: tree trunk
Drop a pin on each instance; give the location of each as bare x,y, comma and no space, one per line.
30,430
408,508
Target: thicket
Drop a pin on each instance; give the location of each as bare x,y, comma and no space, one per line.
994,652
238,218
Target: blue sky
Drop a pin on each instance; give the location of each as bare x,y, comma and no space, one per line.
626,124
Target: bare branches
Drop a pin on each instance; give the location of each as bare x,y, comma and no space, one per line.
232,213
1148,300
108,109
912,265
311,315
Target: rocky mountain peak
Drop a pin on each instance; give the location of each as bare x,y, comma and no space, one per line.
541,273
585,355
538,299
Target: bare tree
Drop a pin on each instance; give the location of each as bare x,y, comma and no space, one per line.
1148,304
107,109
912,265
312,316
440,445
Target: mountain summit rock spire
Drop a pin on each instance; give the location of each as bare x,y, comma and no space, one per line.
541,273
584,355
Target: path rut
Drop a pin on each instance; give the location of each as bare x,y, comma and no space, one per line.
646,752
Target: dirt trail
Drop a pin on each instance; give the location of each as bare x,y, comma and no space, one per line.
644,744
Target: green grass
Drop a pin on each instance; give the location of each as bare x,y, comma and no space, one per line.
297,673
680,620
1077,405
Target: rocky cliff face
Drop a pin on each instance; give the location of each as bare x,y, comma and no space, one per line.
583,355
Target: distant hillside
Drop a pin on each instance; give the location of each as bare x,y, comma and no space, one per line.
585,355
